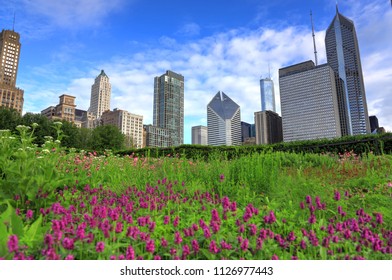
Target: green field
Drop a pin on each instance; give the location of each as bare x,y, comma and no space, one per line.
77,205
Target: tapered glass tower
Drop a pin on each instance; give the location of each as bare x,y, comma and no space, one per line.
343,56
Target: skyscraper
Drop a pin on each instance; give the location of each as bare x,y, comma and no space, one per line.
268,127
267,95
100,95
343,56
169,105
223,121
309,102
10,95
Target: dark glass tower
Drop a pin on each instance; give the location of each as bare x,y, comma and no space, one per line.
343,56
169,105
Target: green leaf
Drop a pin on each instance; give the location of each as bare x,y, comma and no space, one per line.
33,232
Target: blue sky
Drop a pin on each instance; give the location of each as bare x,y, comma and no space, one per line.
217,45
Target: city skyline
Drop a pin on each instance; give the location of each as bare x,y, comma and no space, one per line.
227,51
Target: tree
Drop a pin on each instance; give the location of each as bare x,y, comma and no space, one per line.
71,134
107,137
9,118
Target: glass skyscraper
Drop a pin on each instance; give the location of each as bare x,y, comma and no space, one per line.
169,105
343,56
267,95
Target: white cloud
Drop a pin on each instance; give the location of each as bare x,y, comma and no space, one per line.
190,29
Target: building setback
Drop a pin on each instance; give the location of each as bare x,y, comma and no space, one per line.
309,102
10,95
131,125
199,135
223,121
343,56
101,91
268,127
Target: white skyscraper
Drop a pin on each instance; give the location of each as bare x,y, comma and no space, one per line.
100,95
223,121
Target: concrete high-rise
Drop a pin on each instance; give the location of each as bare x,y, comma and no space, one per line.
131,125
10,95
343,56
267,95
169,105
199,135
268,127
101,91
309,102
223,121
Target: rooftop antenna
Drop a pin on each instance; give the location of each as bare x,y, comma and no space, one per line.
269,70
314,39
13,23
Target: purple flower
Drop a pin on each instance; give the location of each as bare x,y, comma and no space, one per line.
213,247
176,221
221,178
308,199
275,257
245,244
195,246
163,242
302,205
29,214
379,219
69,257
337,196
207,233
166,220
13,243
100,247
312,219
68,243
130,254
177,238
150,246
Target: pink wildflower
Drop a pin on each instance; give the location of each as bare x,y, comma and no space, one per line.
13,243
100,247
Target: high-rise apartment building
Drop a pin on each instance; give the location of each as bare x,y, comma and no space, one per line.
309,102
101,91
268,127
223,121
10,95
129,124
199,135
343,56
169,105
267,95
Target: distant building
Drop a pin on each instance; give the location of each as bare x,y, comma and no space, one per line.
247,131
223,121
199,135
373,123
267,95
84,119
101,91
131,125
10,95
309,102
268,128
343,56
65,110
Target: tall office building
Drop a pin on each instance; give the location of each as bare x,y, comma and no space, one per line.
169,105
343,56
223,121
131,125
267,95
199,135
268,127
309,102
101,91
10,95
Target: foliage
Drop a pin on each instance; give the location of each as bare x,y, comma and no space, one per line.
107,137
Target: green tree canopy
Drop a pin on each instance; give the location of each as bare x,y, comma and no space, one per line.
107,137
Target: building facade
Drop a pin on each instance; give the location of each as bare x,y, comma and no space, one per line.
199,135
65,110
223,121
343,56
101,92
268,127
85,119
169,105
373,120
267,95
10,95
131,125
158,136
309,102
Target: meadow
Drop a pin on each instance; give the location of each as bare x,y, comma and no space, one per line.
57,204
